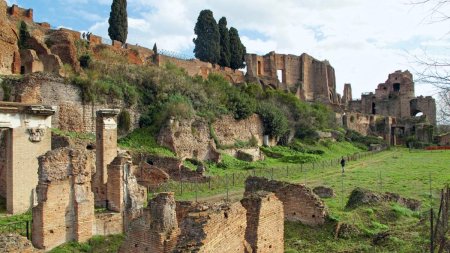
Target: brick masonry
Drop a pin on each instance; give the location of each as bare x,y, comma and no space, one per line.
299,202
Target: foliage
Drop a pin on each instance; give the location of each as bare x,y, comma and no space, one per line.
101,244
24,35
240,104
225,53
356,137
207,43
274,121
124,122
85,60
237,50
118,21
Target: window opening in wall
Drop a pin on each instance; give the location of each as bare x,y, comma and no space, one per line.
280,75
259,68
396,87
417,113
22,70
373,108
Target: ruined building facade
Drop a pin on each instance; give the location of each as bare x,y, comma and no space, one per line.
396,98
305,76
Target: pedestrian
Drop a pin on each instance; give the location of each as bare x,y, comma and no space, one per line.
343,164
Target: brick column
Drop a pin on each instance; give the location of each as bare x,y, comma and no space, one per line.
106,151
116,182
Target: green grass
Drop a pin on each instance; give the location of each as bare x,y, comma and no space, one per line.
397,170
143,140
100,244
75,135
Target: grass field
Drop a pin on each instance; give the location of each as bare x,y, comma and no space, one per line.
410,174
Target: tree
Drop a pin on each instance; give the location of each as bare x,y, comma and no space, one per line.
118,22
155,49
225,54
237,50
207,43
436,70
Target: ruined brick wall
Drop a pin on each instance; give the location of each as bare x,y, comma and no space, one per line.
189,139
265,222
308,78
426,105
71,113
108,223
157,230
347,94
357,122
62,43
228,129
18,13
219,229
9,51
65,209
299,202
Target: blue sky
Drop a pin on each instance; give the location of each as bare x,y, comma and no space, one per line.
364,40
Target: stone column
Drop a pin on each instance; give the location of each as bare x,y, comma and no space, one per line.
106,151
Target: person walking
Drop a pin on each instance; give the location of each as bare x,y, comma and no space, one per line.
343,164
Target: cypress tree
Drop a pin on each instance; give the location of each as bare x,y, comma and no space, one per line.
207,43
237,50
225,53
118,22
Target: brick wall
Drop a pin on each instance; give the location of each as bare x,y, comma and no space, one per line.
108,223
265,222
228,130
299,202
65,209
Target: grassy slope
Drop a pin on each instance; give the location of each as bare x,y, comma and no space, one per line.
401,172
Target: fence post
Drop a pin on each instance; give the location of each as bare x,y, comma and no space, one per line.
181,186
196,191
226,180
301,167
28,227
287,171
209,183
271,173
233,178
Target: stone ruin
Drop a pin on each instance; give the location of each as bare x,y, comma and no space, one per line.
255,224
305,76
300,202
73,182
392,111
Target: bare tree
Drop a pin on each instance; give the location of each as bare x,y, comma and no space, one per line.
435,70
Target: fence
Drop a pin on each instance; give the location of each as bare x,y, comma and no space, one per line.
215,185
19,227
177,55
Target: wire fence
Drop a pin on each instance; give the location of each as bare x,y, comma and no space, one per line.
177,55
192,189
19,227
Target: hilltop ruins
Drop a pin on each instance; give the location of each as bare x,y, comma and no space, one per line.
63,183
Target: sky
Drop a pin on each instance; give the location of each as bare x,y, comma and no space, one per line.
364,40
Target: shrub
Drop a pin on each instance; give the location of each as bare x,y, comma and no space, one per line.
274,121
85,60
241,104
124,122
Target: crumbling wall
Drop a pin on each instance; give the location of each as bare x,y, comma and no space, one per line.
308,78
157,230
65,209
108,223
189,138
299,202
265,222
71,113
426,105
9,50
219,229
62,43
229,130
